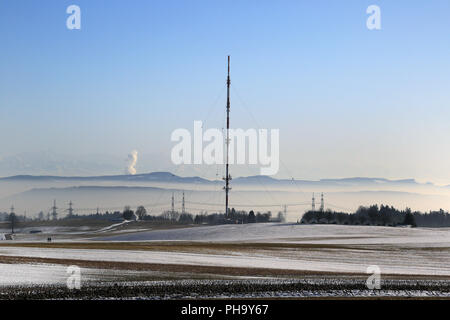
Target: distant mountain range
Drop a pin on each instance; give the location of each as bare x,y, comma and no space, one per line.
146,177
168,177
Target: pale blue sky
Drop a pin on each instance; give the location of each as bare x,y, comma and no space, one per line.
348,101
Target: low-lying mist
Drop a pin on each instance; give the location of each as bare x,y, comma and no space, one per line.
255,193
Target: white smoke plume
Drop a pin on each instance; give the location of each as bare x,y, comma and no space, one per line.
132,160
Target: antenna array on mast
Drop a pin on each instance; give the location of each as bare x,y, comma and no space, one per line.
227,175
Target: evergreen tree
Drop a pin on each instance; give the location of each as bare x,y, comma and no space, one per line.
251,217
128,213
409,219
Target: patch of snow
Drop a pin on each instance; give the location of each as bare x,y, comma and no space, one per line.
113,226
276,232
336,260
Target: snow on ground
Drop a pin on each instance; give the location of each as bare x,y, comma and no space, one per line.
23,274
48,274
417,251
275,232
27,274
332,260
113,226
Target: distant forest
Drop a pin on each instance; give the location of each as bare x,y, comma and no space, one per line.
379,216
167,217
372,215
233,217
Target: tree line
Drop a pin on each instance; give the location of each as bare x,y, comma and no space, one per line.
233,217
372,215
379,216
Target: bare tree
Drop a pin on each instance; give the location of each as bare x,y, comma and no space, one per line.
141,212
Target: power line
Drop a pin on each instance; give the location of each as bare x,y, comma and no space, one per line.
70,214
13,218
252,205
54,212
321,203
182,205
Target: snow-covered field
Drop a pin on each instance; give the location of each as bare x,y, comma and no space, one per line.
348,261
322,248
25,274
275,232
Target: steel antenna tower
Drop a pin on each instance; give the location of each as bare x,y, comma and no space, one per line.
182,205
227,175
173,205
313,203
13,218
70,208
321,203
54,213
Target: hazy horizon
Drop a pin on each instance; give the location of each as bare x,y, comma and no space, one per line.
199,171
